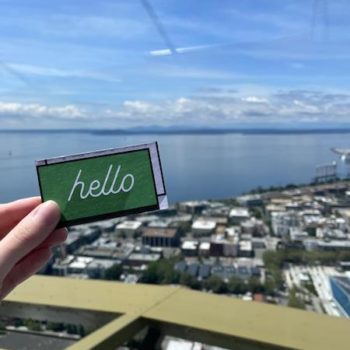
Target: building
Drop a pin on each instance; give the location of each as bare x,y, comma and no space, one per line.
97,267
193,269
204,249
128,228
193,207
160,237
73,242
79,265
111,251
251,200
189,248
203,272
341,292
202,227
139,259
238,215
246,249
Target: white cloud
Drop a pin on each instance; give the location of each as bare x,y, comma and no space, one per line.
36,110
254,99
216,110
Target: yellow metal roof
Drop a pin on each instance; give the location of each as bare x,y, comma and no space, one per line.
218,316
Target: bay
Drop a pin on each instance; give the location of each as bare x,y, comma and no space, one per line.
196,166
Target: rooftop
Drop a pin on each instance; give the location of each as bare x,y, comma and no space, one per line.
204,225
129,225
159,232
239,212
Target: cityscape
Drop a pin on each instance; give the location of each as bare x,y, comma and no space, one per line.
287,246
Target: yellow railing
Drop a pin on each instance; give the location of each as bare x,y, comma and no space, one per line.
120,311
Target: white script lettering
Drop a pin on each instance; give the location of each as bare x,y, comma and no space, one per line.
95,189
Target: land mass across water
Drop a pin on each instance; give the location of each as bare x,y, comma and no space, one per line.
189,130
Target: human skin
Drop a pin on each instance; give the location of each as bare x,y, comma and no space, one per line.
27,235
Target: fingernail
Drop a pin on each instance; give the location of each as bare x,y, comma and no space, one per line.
47,212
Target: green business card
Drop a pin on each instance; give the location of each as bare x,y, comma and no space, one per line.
104,184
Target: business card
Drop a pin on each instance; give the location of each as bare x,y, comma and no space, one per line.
104,184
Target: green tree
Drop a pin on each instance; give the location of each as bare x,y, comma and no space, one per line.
216,284
161,272
32,325
294,300
270,286
71,328
18,322
81,330
190,281
55,326
114,272
255,286
236,285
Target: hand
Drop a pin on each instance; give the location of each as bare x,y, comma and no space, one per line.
27,235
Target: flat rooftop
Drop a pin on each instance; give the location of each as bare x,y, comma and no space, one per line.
204,225
159,232
129,225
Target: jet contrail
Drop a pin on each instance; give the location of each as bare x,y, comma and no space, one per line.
161,30
242,44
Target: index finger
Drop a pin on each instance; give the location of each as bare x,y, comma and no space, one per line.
12,213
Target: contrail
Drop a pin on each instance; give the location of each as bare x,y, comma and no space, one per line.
237,45
161,30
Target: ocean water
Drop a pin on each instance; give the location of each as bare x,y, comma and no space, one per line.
195,166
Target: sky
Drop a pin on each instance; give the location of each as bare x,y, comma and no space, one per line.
243,63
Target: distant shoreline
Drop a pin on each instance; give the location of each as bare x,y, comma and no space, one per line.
171,131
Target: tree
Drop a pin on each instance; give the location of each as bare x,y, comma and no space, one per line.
161,272
71,328
55,326
270,286
32,325
81,330
216,284
190,281
18,322
294,300
255,286
236,285
114,272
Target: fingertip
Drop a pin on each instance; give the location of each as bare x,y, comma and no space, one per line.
48,212
62,234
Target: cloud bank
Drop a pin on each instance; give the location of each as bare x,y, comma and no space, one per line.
210,107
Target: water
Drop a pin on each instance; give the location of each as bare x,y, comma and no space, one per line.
195,166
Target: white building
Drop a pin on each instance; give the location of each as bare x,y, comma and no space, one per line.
128,228
239,214
204,249
189,248
203,227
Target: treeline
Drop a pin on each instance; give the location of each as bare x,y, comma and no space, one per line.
38,326
276,259
163,272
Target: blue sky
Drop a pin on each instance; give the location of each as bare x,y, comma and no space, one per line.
77,64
